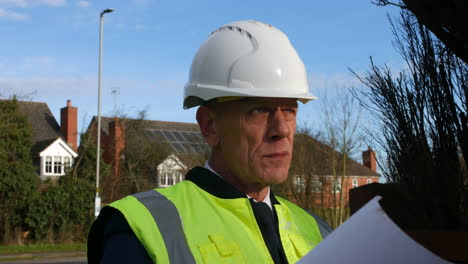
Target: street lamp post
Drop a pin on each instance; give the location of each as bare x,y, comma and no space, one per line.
97,206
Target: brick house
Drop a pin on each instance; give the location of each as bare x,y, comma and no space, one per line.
321,177
333,187
54,146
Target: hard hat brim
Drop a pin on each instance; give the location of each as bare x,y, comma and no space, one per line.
201,94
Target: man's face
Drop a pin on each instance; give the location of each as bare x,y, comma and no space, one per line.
255,138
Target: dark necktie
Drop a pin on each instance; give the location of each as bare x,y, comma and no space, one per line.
267,224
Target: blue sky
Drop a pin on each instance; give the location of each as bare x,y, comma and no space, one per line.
50,48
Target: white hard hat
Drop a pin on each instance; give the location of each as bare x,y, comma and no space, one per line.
246,59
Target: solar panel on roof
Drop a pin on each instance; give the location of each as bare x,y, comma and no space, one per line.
158,133
168,135
178,147
178,136
164,136
187,147
182,142
196,137
188,136
199,137
184,135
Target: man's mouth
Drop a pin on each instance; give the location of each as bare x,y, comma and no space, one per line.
277,155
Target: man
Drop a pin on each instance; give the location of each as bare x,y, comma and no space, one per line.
246,79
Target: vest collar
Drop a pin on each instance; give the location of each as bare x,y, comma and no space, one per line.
216,186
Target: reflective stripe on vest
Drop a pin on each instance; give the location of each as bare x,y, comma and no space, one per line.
167,218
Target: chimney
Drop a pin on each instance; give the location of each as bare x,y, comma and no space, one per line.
369,160
117,143
69,124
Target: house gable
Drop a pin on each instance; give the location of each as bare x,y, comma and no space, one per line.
59,148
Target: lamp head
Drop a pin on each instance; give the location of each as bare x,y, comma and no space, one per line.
107,11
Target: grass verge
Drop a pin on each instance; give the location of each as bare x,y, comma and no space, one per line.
33,248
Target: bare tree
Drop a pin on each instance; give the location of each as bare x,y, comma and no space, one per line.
424,116
341,120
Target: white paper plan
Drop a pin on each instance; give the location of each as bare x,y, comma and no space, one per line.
370,237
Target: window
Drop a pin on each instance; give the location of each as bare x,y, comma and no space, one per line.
170,178
316,185
337,188
66,162
369,181
355,183
48,164
299,183
57,165
163,178
179,177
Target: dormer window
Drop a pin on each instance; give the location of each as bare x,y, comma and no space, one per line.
170,172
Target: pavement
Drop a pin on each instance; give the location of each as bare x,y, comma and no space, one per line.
68,257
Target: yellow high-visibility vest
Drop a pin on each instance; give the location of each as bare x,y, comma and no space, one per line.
186,224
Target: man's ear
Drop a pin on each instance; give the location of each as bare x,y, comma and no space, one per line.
206,121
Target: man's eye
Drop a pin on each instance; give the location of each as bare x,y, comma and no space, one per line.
290,110
260,110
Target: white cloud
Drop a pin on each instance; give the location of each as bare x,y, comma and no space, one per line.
11,15
82,4
31,3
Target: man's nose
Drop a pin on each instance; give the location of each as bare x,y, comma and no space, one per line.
279,126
